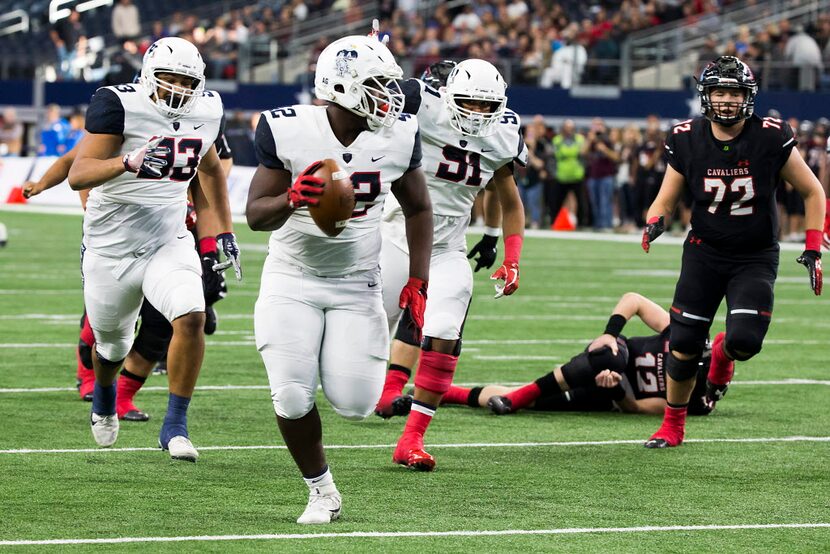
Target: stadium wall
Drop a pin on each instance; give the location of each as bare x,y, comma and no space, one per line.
607,102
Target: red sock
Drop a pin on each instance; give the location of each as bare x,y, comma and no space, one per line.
722,368
673,427
525,396
416,425
128,385
86,332
456,395
396,380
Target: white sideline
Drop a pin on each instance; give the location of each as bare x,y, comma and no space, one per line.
422,534
447,445
202,388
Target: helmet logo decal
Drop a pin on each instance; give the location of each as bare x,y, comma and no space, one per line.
341,62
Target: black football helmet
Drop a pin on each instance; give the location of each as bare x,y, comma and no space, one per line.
727,72
436,74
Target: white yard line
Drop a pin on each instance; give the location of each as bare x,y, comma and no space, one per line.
202,388
421,534
739,440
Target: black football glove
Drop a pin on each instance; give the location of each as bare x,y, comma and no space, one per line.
213,282
654,228
487,251
812,261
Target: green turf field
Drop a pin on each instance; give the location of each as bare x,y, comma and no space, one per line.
502,483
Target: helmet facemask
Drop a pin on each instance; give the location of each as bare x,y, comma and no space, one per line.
174,101
727,72
473,123
380,101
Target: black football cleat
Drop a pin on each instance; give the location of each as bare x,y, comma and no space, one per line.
135,415
715,393
500,405
399,406
657,443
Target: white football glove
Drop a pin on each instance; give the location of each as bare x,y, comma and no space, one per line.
149,157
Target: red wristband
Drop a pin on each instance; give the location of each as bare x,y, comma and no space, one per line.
513,248
207,245
812,240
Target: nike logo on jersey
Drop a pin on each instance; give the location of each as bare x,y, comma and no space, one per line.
483,150
199,126
378,158
372,285
181,237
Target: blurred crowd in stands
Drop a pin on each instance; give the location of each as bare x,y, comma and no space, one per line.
538,42
603,176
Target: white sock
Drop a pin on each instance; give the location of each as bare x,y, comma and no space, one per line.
324,483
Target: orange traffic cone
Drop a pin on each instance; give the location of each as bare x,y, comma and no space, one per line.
564,221
16,196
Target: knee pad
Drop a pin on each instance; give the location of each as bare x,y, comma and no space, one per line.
582,369
435,371
682,370
292,401
356,412
407,332
109,362
604,358
152,340
688,339
426,346
745,341
113,345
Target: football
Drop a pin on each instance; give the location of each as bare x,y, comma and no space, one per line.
337,201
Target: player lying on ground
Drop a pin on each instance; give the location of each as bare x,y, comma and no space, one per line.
144,145
470,139
731,161
319,318
613,373
155,332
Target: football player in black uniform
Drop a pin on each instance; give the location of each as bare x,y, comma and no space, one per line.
731,161
614,371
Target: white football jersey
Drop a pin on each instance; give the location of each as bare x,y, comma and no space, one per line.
294,137
138,213
456,167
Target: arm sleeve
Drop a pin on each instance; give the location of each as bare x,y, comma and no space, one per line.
265,145
415,160
105,115
411,89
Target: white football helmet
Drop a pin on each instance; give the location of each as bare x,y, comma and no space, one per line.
359,73
478,81
173,55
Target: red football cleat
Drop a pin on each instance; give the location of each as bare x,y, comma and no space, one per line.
413,458
393,405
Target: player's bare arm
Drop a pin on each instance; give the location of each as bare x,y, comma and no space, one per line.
798,174
94,163
670,190
267,208
513,213
413,196
628,306
54,176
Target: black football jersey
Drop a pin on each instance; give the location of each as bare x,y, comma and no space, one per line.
646,365
732,183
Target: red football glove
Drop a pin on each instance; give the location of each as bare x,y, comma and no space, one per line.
414,298
825,237
306,188
509,273
654,228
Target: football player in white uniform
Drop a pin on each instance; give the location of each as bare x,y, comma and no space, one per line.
469,140
319,318
145,142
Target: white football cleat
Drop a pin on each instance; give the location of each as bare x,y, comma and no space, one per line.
104,428
321,508
181,448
